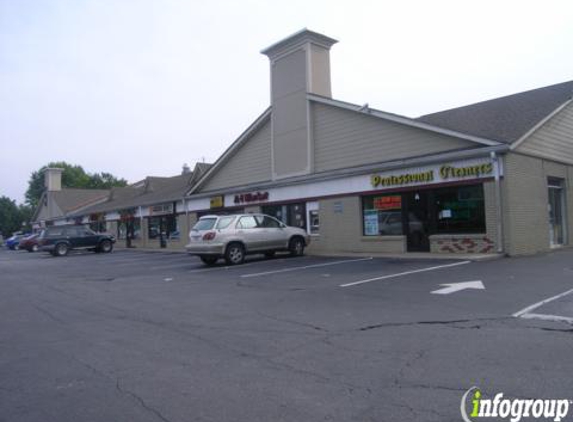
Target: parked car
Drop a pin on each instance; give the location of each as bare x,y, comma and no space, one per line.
30,243
60,240
13,242
233,236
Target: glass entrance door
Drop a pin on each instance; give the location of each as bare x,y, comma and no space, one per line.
417,220
556,208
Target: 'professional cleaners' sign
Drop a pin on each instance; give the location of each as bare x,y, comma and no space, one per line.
464,170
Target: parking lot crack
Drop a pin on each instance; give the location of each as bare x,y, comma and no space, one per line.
451,323
348,387
432,387
49,314
407,365
140,400
553,330
290,321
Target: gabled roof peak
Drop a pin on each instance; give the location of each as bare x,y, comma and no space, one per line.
505,118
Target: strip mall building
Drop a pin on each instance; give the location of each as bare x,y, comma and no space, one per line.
492,177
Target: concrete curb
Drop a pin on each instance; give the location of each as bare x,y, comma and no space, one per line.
411,255
418,255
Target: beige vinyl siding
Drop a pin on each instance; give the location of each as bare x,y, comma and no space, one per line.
554,140
344,138
50,210
46,213
251,163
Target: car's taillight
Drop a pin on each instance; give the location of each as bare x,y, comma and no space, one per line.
209,236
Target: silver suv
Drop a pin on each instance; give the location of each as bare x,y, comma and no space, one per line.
234,236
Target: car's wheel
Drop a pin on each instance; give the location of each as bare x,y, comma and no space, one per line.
16,247
105,246
209,260
235,254
35,248
61,249
270,254
296,246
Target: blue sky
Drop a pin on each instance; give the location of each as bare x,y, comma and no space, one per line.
139,87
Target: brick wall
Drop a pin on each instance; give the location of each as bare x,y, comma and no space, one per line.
525,200
481,243
341,230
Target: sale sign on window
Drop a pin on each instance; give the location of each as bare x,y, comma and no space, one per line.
383,203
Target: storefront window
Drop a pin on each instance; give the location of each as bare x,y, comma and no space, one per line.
97,222
556,208
290,214
460,209
166,224
382,215
123,226
98,226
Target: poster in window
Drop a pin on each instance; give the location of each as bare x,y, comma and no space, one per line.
384,203
371,222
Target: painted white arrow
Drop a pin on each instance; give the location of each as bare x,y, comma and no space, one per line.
456,287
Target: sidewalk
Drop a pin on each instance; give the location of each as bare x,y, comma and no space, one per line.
409,255
417,255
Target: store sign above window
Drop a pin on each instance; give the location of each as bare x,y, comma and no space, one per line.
217,202
434,174
248,198
161,209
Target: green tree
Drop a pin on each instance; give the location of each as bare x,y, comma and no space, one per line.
10,216
25,213
73,176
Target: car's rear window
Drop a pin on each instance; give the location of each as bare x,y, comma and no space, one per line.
224,222
55,232
205,224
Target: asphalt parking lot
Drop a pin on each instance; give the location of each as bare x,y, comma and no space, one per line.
143,336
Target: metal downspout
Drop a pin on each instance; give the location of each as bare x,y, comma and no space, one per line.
141,233
498,206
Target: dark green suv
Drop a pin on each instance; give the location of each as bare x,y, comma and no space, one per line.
60,240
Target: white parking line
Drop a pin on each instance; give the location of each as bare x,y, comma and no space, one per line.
421,270
151,256
144,260
172,266
324,264
206,270
527,314
543,317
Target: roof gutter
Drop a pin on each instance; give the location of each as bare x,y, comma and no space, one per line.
356,171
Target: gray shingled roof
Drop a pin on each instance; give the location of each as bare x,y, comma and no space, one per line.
69,199
152,190
504,119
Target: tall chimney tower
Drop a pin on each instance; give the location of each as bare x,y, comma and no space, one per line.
300,64
53,179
